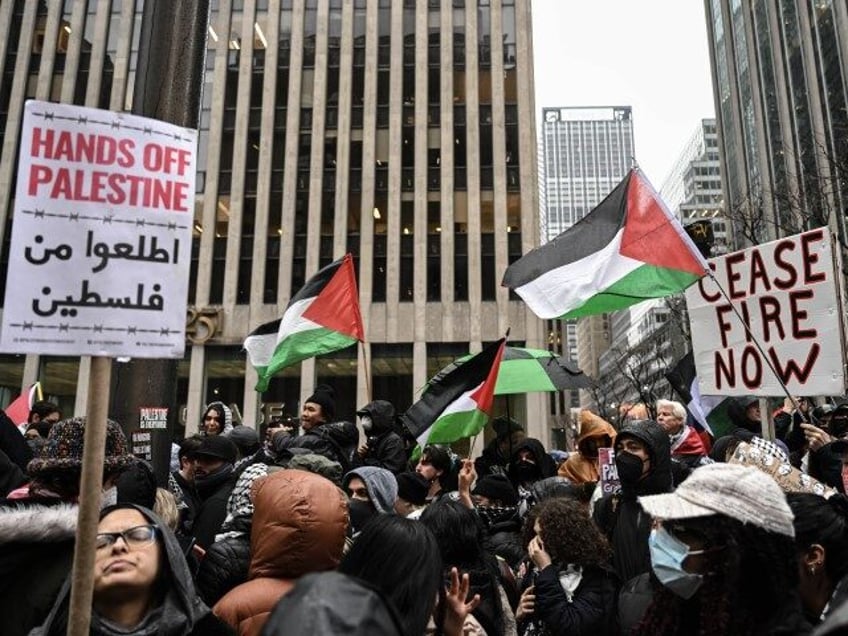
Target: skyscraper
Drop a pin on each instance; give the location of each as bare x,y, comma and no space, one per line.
400,131
587,151
780,78
651,336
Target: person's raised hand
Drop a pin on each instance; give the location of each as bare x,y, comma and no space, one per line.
456,607
467,475
527,604
536,551
815,436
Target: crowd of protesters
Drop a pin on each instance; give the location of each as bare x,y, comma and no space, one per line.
328,526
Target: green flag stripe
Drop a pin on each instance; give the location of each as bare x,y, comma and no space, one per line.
647,281
455,426
300,346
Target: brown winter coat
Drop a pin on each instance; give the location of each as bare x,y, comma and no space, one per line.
579,468
299,526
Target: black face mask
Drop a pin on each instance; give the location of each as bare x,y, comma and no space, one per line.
361,512
527,471
629,467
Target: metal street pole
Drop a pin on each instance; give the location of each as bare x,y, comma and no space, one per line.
168,84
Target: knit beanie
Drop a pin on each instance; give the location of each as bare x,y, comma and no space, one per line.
413,488
63,450
496,488
325,397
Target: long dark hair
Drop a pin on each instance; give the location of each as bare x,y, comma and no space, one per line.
400,557
750,573
825,522
460,535
569,535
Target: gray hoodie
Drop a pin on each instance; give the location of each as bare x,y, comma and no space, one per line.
380,484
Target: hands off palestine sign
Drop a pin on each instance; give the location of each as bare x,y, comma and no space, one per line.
785,292
101,235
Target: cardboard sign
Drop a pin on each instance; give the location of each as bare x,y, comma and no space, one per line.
153,418
789,478
141,444
101,235
785,292
609,473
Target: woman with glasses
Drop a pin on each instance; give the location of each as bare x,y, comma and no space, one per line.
142,585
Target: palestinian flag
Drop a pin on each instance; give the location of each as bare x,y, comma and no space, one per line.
459,404
628,249
322,317
18,410
709,412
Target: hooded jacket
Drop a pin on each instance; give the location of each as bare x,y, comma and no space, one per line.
227,561
299,526
333,603
224,413
620,517
546,465
745,429
386,448
579,467
381,486
182,613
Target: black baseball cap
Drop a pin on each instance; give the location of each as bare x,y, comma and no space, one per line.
217,446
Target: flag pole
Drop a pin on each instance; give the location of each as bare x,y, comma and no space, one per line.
367,364
758,345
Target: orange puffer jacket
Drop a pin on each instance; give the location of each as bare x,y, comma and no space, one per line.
299,526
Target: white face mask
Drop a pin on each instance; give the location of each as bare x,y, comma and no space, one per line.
367,424
109,497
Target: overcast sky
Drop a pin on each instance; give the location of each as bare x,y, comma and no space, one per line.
648,54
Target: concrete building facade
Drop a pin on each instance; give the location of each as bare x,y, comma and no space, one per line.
398,130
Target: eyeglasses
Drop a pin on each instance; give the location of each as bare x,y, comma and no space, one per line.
133,537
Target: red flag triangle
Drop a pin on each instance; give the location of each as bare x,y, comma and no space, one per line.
653,236
336,306
484,396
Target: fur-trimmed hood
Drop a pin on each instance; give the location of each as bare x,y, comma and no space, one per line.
30,523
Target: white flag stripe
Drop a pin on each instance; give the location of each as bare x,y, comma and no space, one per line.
564,288
462,404
261,348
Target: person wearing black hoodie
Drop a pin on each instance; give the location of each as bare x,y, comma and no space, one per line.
529,463
643,460
383,448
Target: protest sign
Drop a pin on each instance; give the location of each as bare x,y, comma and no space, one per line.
153,418
101,235
609,473
789,478
142,444
785,292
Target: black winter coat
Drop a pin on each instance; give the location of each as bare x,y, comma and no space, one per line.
211,514
826,466
224,566
336,441
592,610
504,541
36,553
621,518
